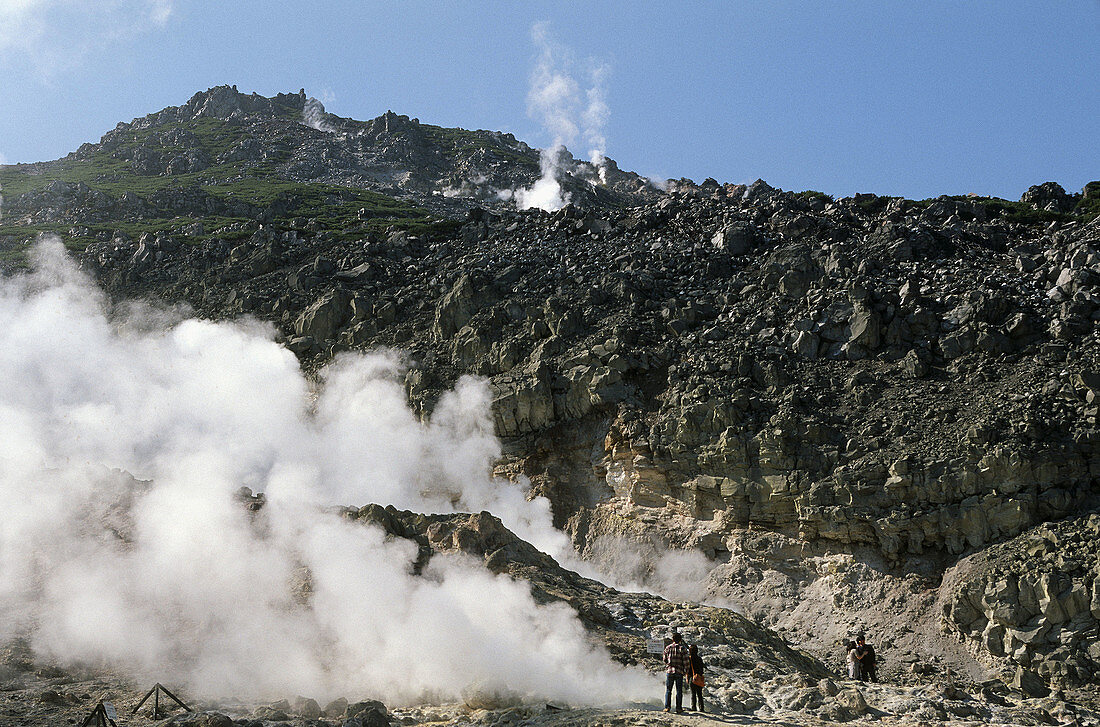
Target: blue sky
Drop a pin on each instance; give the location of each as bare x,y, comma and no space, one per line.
913,99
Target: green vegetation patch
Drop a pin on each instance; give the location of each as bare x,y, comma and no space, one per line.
108,168
1088,208
1011,211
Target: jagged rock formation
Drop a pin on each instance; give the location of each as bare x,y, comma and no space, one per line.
836,402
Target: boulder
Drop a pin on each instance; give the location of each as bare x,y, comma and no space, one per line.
1048,196
806,345
522,405
271,714
336,708
865,330
307,708
369,713
483,697
1030,683
794,284
851,700
303,346
736,238
324,317
200,719
455,309
914,366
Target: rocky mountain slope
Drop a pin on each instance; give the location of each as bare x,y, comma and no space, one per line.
857,412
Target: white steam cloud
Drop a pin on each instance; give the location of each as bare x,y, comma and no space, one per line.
313,115
556,100
661,183
632,564
596,114
168,577
546,193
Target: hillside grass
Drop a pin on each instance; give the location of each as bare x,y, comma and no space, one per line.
345,210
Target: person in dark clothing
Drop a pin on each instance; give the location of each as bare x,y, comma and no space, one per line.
866,654
696,676
677,665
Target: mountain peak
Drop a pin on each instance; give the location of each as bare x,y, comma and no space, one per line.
227,103
241,153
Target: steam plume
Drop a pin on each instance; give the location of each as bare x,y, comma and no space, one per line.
168,577
595,116
313,116
630,564
555,99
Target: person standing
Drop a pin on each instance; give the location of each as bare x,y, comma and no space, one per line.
697,680
677,664
866,654
853,660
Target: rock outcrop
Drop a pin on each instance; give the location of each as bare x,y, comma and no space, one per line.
1032,603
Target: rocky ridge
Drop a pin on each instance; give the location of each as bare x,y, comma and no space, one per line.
231,157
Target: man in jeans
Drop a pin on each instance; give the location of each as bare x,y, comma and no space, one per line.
677,665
